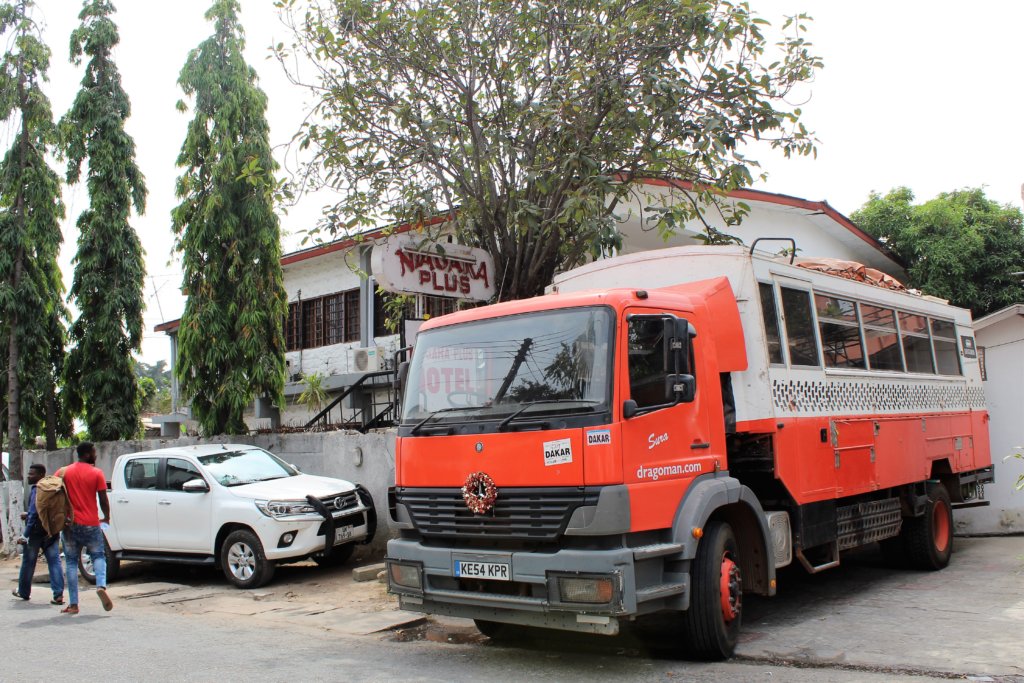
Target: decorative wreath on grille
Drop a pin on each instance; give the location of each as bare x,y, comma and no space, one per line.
479,492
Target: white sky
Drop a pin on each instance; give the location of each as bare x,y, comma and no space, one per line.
916,93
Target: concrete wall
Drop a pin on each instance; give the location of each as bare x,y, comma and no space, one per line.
367,459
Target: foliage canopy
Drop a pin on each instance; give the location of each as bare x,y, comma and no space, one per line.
231,340
960,246
32,312
109,266
534,119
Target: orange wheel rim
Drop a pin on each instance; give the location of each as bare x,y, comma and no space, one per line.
940,525
731,589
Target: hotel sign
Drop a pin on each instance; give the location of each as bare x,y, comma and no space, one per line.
409,266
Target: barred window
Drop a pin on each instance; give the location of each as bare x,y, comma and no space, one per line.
352,315
334,313
434,306
293,328
312,323
323,320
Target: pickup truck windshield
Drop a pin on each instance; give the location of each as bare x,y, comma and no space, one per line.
556,361
234,468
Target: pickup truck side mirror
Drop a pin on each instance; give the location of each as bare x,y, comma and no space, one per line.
195,486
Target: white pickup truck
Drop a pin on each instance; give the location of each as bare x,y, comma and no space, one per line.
234,506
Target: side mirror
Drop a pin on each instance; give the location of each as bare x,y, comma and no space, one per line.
629,409
294,467
680,334
195,486
680,388
401,375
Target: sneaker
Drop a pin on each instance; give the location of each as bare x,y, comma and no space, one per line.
70,609
108,604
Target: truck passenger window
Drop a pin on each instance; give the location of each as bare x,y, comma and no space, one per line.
803,347
771,323
947,356
881,338
917,348
140,473
840,332
647,371
178,472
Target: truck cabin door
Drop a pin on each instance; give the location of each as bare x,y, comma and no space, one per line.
665,431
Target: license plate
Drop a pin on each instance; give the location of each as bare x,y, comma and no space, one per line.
342,534
493,571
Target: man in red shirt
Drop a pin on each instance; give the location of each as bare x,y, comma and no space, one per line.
84,482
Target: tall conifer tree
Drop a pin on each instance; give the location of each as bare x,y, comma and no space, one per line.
30,237
231,342
109,266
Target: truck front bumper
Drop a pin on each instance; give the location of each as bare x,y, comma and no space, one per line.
544,588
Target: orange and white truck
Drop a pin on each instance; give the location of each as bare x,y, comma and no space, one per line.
664,430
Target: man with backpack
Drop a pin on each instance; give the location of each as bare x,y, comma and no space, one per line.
84,482
34,537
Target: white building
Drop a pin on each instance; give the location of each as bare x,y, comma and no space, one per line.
1000,339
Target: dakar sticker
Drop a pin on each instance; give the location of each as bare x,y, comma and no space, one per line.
599,437
557,452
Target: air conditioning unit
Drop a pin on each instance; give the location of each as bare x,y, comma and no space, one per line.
368,359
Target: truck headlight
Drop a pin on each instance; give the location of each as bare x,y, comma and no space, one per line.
285,508
591,590
405,575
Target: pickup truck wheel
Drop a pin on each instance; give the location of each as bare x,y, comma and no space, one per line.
340,554
243,561
929,538
87,572
711,625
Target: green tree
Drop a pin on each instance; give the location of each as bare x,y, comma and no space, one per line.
109,265
231,340
537,120
959,246
31,306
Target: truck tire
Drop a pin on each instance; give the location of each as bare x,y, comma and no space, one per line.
243,561
86,571
711,625
928,539
340,554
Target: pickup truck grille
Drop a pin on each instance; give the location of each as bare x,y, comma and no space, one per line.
337,502
520,514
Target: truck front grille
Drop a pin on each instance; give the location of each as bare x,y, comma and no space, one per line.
519,514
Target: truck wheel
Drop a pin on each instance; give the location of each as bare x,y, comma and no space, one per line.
711,625
243,561
929,538
87,572
340,554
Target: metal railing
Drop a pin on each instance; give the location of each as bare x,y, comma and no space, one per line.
374,413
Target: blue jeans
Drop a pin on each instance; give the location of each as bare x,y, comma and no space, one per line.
90,538
29,556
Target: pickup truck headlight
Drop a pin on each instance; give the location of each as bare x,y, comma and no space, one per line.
286,508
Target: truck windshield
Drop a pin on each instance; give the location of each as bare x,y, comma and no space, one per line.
552,361
235,468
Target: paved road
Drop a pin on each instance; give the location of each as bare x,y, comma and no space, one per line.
862,622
